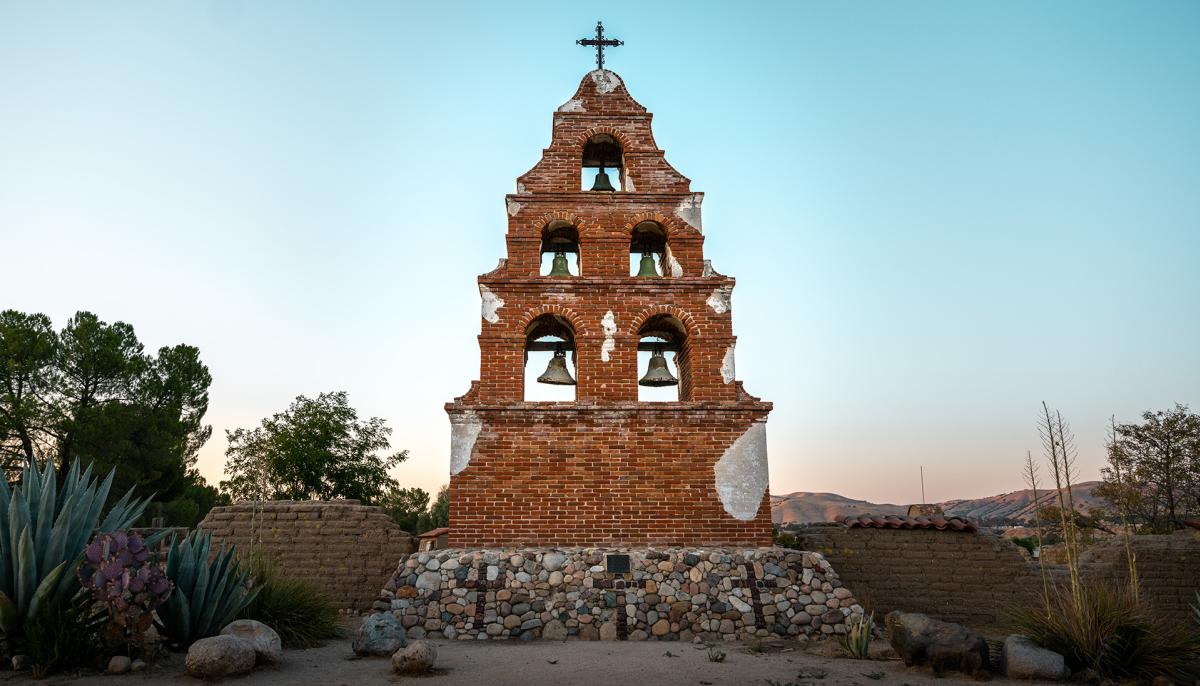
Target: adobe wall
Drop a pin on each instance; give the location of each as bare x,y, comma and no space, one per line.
975,578
954,576
346,549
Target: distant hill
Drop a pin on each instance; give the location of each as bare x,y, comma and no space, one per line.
824,507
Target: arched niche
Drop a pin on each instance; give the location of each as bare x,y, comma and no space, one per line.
547,336
664,333
560,237
602,154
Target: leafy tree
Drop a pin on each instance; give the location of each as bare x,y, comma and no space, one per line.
317,449
407,506
90,391
1153,468
439,512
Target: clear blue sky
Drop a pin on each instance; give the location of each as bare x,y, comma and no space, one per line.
939,213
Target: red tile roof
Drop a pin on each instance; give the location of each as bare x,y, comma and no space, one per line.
434,533
902,522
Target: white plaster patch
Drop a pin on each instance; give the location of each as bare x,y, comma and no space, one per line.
573,105
708,268
728,367
741,473
673,266
464,431
608,323
689,210
513,208
606,81
720,300
521,188
489,305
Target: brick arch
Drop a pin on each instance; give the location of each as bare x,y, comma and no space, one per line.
679,313
567,313
582,139
539,224
671,225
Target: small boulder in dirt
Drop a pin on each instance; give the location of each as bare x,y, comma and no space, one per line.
119,664
418,658
1024,659
380,635
219,656
268,649
944,646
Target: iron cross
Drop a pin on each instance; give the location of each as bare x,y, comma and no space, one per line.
599,41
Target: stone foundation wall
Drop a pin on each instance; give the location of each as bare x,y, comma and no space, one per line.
670,594
344,548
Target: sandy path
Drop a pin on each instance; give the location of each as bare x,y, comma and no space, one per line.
575,663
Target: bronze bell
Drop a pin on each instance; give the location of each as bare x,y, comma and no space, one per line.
556,372
602,183
559,266
657,372
646,268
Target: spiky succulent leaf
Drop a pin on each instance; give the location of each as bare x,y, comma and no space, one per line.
208,594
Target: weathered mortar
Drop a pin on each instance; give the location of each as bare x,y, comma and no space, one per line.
346,549
671,594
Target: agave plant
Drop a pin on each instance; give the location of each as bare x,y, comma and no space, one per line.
43,534
208,595
857,640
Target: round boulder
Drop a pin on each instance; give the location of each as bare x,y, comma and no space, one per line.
268,649
1024,659
417,658
219,656
380,635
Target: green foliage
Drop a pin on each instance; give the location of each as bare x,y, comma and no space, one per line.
439,512
406,506
1108,630
783,539
317,449
191,506
208,594
91,392
1153,470
857,641
298,611
43,534
1027,542
715,654
63,637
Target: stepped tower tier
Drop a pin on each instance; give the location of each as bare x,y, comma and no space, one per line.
593,276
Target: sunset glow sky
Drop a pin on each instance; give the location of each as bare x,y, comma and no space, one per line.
939,213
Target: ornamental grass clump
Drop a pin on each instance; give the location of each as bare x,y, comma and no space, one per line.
298,611
210,590
857,641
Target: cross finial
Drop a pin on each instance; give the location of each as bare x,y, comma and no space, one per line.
600,42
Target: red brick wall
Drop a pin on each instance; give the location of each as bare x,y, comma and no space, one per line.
604,469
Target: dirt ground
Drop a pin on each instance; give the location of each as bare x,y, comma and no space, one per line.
574,663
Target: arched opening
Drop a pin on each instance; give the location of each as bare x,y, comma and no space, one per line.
560,249
647,250
549,359
603,166
663,360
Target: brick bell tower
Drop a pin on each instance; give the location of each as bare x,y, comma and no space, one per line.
607,469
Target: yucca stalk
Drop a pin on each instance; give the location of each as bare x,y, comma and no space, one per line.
43,534
1052,443
1031,478
1123,505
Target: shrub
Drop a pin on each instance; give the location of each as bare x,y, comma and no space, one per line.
857,641
208,595
1105,628
715,654
63,637
298,611
42,536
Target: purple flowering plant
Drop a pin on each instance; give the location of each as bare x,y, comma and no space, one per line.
118,571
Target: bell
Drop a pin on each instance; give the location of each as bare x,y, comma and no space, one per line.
556,371
657,372
602,183
646,268
559,266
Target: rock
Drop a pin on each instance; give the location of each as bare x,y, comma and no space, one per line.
920,639
879,649
380,635
137,666
661,628
552,562
417,658
20,663
268,649
554,630
119,664
219,656
1024,659
428,581
608,631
